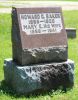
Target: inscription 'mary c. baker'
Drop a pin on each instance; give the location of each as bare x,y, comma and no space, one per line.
41,23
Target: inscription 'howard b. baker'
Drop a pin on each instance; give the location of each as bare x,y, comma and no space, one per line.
41,23
42,16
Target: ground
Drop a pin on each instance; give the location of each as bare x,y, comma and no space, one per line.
71,20
6,6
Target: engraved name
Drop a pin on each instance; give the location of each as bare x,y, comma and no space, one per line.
41,23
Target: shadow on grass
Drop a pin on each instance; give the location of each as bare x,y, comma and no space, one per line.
7,89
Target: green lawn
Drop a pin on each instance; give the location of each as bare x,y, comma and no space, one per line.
44,0
71,20
11,2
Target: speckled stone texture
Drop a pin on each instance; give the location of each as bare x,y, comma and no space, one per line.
47,76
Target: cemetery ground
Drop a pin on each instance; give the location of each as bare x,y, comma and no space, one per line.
62,3
6,93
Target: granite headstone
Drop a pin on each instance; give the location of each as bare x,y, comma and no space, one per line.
40,51
38,35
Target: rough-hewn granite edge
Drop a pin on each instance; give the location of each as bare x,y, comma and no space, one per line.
42,55
26,79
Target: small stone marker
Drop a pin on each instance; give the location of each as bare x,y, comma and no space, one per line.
71,32
38,35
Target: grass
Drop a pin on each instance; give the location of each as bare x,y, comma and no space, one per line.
9,3
71,20
46,0
4,6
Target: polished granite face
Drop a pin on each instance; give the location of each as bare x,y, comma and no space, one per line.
34,28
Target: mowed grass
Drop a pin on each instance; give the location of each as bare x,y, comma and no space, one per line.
12,2
45,0
71,20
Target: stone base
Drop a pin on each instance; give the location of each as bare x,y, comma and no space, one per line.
26,79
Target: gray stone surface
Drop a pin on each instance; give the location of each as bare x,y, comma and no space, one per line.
40,55
71,32
26,79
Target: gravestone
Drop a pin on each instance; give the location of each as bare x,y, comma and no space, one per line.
40,51
71,32
39,34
